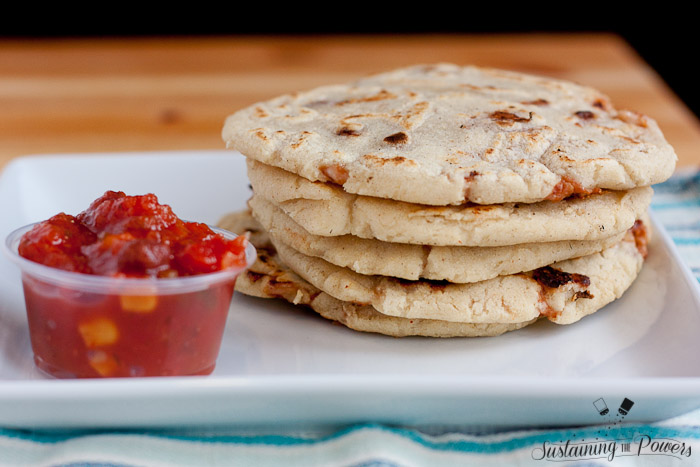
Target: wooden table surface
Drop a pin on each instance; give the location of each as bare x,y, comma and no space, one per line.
104,95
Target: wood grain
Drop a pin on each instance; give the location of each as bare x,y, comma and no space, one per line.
72,96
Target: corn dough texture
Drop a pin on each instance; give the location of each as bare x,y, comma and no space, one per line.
390,306
458,264
506,299
444,135
269,278
324,209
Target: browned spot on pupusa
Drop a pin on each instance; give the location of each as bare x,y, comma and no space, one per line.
281,288
569,187
265,252
397,138
602,104
408,119
347,131
540,102
468,179
641,238
553,278
582,294
335,173
254,276
260,133
365,115
534,134
382,161
505,118
472,175
477,209
302,139
585,114
549,279
630,140
260,112
379,96
469,86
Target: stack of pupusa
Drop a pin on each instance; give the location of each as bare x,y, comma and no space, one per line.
448,201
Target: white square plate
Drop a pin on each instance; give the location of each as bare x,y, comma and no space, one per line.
284,365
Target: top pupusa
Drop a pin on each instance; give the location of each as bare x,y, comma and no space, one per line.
445,135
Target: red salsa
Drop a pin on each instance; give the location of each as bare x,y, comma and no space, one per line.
77,333
130,236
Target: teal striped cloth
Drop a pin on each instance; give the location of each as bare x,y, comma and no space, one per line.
676,205
356,446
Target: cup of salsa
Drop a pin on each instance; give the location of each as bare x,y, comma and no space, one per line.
126,289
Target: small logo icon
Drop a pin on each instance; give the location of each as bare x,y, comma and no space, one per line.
611,441
625,406
601,406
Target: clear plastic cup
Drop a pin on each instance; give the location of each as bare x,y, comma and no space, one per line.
88,326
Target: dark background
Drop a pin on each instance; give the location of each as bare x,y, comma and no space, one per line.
665,36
